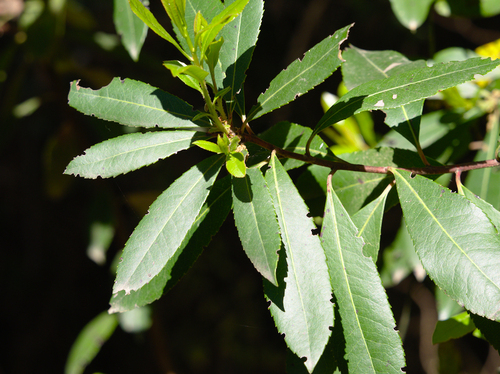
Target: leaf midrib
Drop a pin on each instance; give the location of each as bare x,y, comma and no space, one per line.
445,231
346,278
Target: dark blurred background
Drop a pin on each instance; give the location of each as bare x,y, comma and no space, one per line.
215,320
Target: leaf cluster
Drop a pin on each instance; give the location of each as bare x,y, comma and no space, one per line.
319,274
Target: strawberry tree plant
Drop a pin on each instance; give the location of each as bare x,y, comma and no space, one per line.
319,273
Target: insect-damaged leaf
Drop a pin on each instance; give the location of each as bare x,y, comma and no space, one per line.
302,75
133,103
211,216
256,222
130,152
404,88
456,242
160,233
372,343
301,305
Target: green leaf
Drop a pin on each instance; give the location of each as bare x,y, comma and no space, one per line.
235,164
453,328
208,146
208,8
133,103
236,53
131,28
400,260
160,233
368,220
411,13
485,182
191,75
147,17
292,137
372,343
301,305
302,75
176,10
492,213
207,223
362,66
229,13
255,219
89,342
130,152
404,88
456,242
354,189
490,329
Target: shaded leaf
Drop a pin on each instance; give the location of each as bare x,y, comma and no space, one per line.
301,305
302,75
400,260
256,222
130,152
207,223
133,103
236,53
372,343
131,28
368,220
291,137
485,182
404,88
453,328
490,329
89,342
157,238
492,213
456,242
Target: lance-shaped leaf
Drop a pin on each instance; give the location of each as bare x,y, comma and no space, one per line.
301,305
256,222
211,216
372,343
208,8
488,209
160,233
302,75
236,52
404,88
456,242
147,17
89,342
133,103
131,28
130,152
362,66
368,220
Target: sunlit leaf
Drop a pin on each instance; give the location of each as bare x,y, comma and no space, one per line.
372,343
157,238
456,242
130,152
302,75
453,328
301,305
404,88
133,103
207,223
